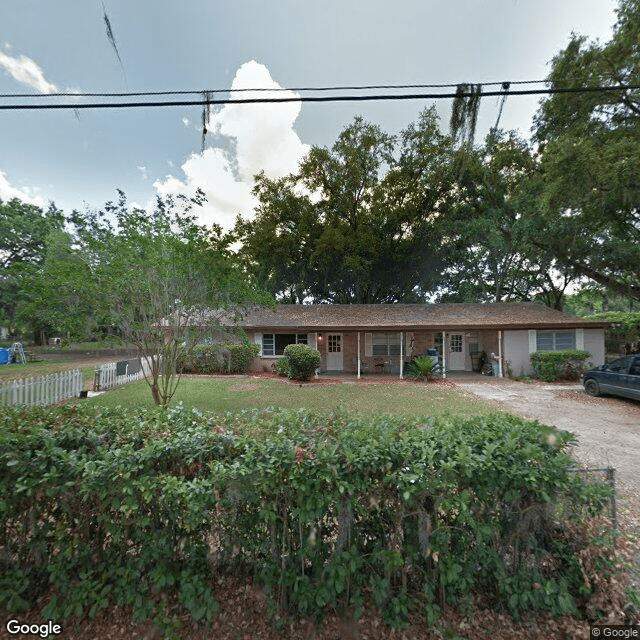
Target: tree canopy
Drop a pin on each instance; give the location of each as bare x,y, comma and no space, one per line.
163,280
352,226
26,232
588,205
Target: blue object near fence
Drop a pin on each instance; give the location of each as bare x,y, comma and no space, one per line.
4,356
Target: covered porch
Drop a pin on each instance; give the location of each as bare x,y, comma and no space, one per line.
386,353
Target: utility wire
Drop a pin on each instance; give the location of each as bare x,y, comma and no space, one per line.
352,98
276,89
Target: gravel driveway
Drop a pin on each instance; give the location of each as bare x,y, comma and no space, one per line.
608,428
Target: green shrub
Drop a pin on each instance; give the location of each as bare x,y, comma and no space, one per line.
227,357
559,365
281,367
240,356
421,368
301,361
142,508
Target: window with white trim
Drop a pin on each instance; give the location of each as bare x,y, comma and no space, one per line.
386,344
555,340
273,344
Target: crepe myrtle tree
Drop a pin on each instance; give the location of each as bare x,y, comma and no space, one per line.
165,281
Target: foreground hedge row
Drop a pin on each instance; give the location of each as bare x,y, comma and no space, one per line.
144,509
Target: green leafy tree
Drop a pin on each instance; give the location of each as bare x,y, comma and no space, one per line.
590,158
487,221
24,230
163,280
60,296
352,226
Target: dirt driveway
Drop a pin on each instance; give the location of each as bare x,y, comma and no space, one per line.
608,429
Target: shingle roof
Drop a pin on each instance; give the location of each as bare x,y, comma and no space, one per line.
501,315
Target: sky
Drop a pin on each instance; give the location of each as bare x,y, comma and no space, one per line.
78,160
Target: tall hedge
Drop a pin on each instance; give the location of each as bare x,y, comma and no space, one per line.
228,357
566,364
116,507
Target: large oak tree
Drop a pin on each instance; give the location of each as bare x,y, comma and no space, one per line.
589,201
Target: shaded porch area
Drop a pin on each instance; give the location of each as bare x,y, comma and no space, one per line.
384,353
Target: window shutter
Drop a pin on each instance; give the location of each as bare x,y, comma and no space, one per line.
580,339
532,341
312,340
257,338
368,345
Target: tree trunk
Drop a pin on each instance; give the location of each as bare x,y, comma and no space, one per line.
155,392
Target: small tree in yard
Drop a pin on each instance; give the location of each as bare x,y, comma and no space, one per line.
165,281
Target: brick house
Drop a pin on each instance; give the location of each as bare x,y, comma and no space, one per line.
382,338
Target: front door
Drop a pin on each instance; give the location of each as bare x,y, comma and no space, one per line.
456,352
334,352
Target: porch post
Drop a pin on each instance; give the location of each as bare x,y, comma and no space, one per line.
358,355
444,354
500,373
401,354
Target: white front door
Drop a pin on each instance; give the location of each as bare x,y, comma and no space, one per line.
456,360
334,352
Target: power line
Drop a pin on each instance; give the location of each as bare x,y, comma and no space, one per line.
274,89
282,89
334,98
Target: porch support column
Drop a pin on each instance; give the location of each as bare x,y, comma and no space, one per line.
401,354
444,354
358,355
500,374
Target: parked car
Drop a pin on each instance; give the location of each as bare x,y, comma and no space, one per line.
619,378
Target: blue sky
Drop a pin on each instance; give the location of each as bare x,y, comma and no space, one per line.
207,44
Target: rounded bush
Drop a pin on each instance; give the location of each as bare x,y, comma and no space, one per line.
302,361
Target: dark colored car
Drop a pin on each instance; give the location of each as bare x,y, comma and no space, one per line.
618,378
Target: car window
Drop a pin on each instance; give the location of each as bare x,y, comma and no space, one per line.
634,369
620,364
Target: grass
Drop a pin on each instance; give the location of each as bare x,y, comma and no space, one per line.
43,367
218,395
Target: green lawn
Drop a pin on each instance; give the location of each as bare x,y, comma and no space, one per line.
44,367
226,394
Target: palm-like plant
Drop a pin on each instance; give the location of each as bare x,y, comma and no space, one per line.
422,368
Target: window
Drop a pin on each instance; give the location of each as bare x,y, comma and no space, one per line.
555,340
334,344
456,343
273,344
386,344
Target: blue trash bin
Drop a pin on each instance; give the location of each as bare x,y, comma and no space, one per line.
4,356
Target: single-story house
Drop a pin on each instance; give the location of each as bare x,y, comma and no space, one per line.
370,338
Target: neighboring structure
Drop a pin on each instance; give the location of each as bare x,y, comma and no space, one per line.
382,338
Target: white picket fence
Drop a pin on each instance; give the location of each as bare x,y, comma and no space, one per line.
106,376
43,390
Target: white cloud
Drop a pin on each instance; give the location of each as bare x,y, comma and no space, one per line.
7,192
186,122
26,71
143,171
262,138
